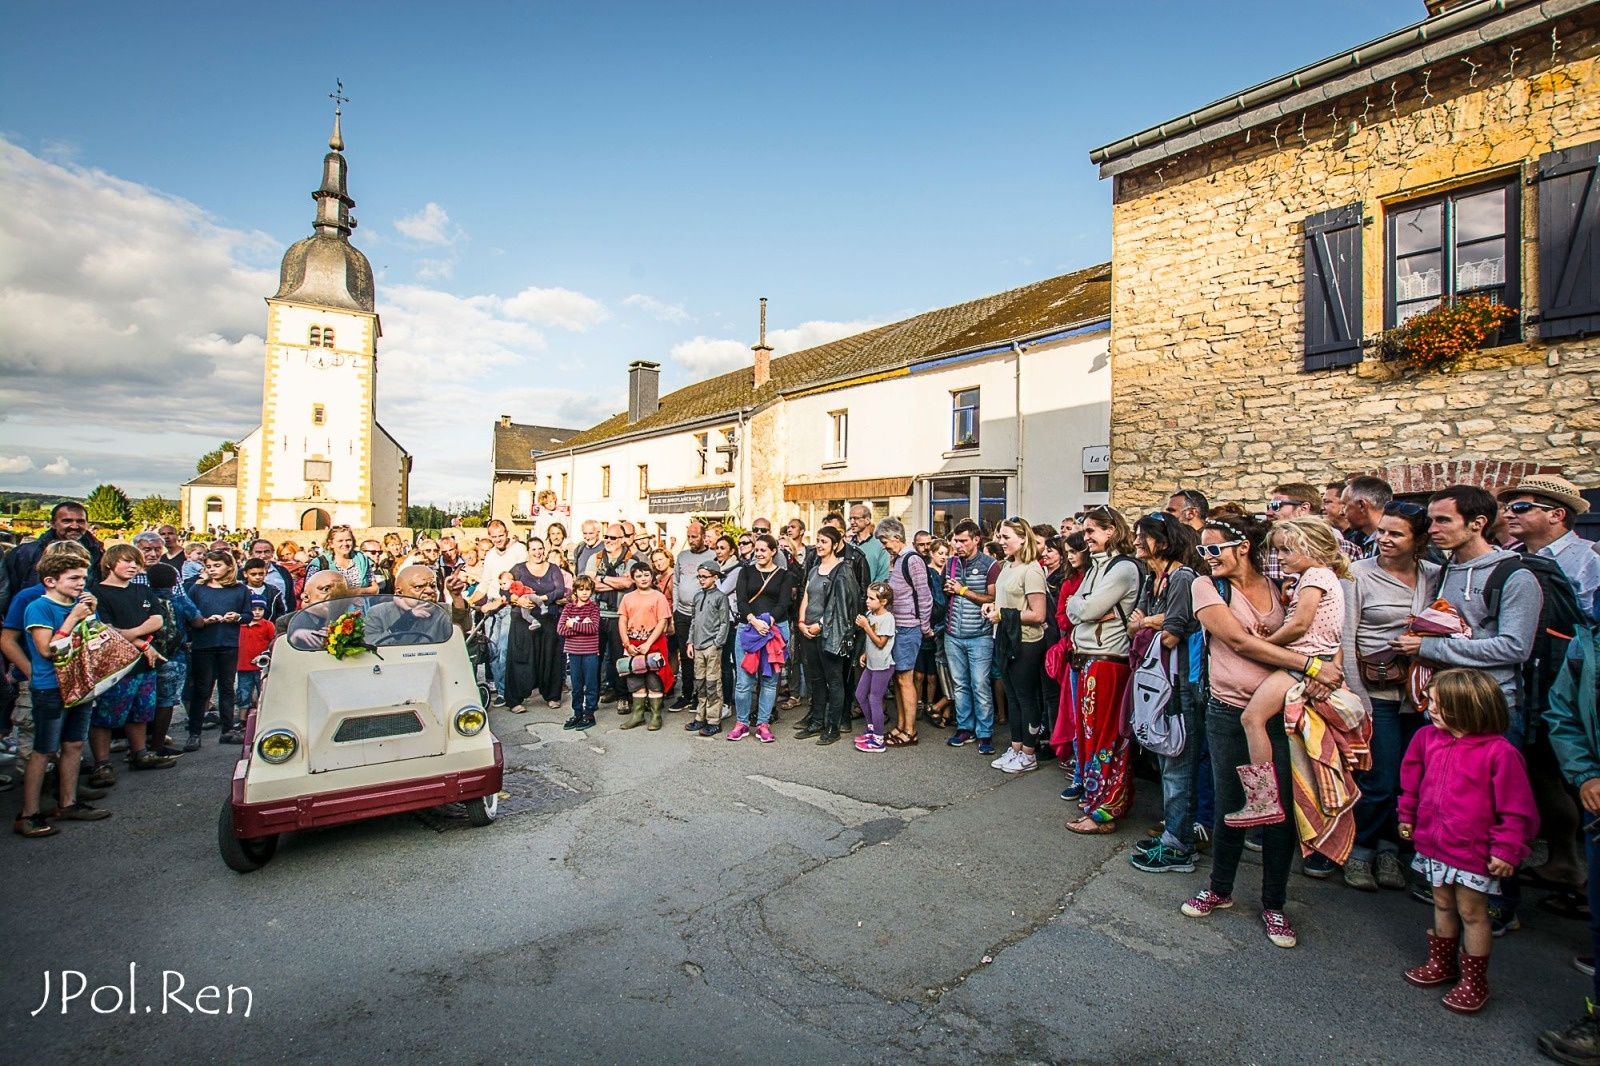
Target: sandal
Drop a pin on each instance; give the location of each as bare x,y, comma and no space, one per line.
1087,826
897,739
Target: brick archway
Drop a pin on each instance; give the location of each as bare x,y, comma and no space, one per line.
1413,479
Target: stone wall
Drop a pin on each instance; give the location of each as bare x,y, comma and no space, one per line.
1208,292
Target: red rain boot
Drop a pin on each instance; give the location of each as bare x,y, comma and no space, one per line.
1441,965
1472,991
1261,806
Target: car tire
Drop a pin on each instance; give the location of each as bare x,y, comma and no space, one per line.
483,695
482,810
242,856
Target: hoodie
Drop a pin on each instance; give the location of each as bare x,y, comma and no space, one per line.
1498,645
1467,798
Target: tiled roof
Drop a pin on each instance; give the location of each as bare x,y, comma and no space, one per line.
515,444
224,475
1082,296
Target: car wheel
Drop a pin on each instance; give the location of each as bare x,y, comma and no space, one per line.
483,695
482,810
243,856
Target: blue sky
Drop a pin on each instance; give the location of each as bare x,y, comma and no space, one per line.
549,191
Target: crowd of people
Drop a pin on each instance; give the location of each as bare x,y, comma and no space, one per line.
1399,692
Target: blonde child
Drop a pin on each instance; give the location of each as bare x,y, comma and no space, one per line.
1307,547
1466,803
877,662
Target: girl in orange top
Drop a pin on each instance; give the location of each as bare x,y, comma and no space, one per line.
642,618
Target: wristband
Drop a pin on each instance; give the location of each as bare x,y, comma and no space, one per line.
63,632
1313,666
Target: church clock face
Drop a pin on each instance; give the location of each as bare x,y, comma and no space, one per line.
320,359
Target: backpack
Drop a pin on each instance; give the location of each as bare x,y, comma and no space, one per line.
168,640
1157,723
1560,620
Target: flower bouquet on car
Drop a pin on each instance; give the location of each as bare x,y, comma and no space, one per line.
346,635
1438,620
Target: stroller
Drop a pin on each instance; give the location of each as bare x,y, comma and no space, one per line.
478,652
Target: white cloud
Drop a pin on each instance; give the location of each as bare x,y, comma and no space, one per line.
433,269
431,225
556,307
705,357
61,467
15,464
657,309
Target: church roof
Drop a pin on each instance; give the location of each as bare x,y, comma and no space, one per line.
325,269
516,445
224,475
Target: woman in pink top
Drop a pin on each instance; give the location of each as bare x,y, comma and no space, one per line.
1466,803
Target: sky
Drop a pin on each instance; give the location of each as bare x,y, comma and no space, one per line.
549,191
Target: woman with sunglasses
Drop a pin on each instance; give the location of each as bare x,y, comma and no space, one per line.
1237,607
1166,613
1099,612
1386,591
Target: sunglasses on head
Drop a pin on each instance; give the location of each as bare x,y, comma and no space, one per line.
1524,506
1403,508
1213,551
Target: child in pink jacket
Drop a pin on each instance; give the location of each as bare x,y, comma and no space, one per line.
1466,803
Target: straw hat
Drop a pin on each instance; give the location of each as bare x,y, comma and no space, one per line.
1556,489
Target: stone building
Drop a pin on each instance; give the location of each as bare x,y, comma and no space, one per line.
1263,243
319,457
517,495
978,409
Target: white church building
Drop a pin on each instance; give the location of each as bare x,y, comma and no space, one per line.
319,457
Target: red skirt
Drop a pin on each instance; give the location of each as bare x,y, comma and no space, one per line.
1103,743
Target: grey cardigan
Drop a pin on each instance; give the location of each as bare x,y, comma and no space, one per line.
1377,608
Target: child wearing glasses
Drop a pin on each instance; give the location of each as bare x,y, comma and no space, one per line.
1307,547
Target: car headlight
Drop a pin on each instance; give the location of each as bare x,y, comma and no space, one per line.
470,721
278,746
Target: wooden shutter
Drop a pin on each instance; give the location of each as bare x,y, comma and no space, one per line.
1569,242
1333,288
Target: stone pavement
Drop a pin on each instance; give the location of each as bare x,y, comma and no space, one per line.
659,898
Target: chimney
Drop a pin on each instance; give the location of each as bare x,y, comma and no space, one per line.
644,390
763,351
505,420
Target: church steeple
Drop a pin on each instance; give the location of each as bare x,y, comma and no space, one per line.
325,269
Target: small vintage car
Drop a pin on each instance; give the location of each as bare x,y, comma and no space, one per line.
393,722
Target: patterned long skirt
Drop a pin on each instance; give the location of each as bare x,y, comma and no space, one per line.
1102,741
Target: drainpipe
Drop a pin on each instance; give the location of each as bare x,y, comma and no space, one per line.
1017,381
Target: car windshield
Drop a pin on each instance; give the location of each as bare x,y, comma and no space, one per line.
386,621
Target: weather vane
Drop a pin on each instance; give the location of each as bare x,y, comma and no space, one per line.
337,96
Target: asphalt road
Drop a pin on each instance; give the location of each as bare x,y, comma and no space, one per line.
661,899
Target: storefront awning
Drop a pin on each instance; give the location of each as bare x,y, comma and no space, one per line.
868,489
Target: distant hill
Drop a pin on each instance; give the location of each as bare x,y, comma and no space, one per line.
12,502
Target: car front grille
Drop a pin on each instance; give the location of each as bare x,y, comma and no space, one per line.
378,726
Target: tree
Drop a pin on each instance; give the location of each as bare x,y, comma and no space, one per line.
430,517
214,457
108,506
155,510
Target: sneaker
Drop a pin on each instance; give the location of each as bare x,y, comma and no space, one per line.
80,812
119,745
682,703
1318,866
1388,872
1202,837
102,776
1279,931
1358,875
8,745
1022,763
170,750
960,737
1074,789
33,825
985,746
870,742
739,732
764,734
232,736
1144,847
193,743
693,725
587,723
496,700
1162,859
1422,892
1578,1044
1502,920
1253,841
213,719
149,760
84,792
1584,964
1006,758
1204,902
575,722
710,729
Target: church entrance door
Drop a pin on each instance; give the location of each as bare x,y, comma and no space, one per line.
316,518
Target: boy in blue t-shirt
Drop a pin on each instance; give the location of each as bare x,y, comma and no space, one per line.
48,623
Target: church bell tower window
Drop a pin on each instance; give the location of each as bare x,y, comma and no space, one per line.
319,414
316,336
327,337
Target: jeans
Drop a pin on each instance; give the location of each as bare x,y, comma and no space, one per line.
1380,786
499,634
969,659
212,668
1178,771
610,652
767,684
585,671
730,651
680,639
1230,750
247,689
54,723
1024,696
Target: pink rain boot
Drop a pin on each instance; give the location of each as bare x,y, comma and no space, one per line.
1441,965
1472,991
1261,806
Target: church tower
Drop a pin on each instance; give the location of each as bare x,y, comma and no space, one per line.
320,457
